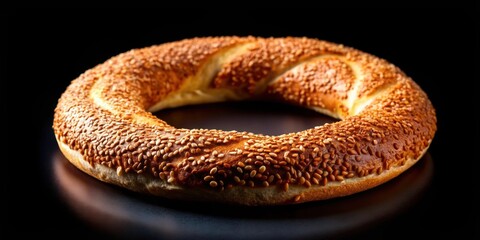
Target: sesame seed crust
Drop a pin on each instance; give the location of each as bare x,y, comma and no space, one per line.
103,126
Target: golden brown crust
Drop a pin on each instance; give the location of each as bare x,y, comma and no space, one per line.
387,121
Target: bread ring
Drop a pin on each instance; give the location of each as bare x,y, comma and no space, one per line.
104,126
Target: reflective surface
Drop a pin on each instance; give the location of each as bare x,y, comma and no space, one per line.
124,214
127,215
257,116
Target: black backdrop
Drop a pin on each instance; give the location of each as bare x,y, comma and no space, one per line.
47,48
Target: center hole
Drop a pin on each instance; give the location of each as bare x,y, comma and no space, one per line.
260,117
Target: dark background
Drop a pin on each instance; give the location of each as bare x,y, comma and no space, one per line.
47,48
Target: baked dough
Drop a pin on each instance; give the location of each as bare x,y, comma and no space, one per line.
104,124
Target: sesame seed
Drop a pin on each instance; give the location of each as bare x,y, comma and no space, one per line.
208,178
307,183
278,176
236,179
119,170
271,178
213,184
396,146
301,181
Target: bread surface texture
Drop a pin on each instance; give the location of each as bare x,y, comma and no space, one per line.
104,124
